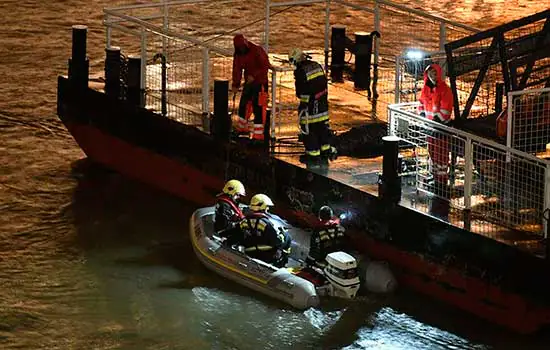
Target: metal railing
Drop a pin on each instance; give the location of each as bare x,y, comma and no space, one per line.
171,22
528,121
495,183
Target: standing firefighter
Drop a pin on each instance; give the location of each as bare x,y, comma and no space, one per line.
312,90
254,61
436,103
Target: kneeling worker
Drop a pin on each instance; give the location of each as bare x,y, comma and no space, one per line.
326,238
261,239
312,89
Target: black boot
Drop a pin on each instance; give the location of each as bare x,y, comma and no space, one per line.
310,160
330,154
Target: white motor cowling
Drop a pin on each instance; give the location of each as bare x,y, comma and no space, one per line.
341,272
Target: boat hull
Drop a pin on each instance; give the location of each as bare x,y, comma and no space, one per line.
486,278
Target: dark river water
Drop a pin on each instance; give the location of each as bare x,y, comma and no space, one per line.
91,260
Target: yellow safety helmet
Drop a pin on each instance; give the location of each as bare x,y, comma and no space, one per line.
233,187
260,202
295,55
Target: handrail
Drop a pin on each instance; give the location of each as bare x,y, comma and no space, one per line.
463,134
354,6
427,15
529,91
156,4
168,33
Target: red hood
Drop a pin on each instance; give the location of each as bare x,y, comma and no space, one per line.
239,41
438,70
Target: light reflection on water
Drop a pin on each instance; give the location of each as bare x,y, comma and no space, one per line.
94,261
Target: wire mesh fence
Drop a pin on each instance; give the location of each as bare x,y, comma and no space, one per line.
529,116
497,184
213,23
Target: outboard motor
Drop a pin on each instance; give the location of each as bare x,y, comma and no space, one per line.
341,273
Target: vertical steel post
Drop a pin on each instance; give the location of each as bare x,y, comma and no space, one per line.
205,81
108,31
546,197
327,30
397,98
274,113
376,58
143,54
442,36
164,27
509,122
266,29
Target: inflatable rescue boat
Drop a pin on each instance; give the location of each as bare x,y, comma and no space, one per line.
294,284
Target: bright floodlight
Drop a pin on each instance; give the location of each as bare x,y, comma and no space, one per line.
415,55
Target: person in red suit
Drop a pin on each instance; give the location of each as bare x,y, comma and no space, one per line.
436,103
253,60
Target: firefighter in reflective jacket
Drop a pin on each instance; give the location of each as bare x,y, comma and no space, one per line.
254,61
228,215
312,90
261,239
328,237
436,103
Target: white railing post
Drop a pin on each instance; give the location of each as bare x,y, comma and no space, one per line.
274,113
397,98
391,123
205,81
266,29
509,122
143,54
108,31
468,173
327,30
546,197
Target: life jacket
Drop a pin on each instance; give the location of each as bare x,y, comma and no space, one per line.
236,210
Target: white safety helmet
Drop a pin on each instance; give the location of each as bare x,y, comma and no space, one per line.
295,56
260,202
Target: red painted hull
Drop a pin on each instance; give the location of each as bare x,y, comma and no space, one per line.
446,284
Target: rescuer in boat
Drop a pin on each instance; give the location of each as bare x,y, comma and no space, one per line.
261,238
312,90
328,237
228,215
254,61
436,103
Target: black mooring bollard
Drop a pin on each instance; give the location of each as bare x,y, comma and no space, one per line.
79,64
338,48
390,182
363,53
113,63
134,94
221,121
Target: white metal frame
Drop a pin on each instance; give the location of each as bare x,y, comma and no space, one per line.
402,111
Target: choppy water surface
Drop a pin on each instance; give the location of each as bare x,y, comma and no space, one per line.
91,260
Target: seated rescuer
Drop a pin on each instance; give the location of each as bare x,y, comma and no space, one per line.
327,237
261,238
228,214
